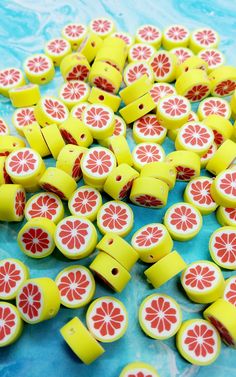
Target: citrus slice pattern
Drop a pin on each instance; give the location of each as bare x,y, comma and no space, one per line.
198,193
10,78
38,64
78,110
134,71
23,117
174,106
182,53
137,369
55,109
22,162
19,205
98,162
160,90
214,105
141,52
195,136
13,274
145,153
230,290
86,202
116,217
10,324
149,34
102,26
149,129
73,92
128,39
30,302
214,58
162,65
45,205
200,276
222,246
57,47
177,33
205,37
3,127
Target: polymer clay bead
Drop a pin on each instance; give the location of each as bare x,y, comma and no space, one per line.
35,139
213,57
38,300
160,170
57,49
144,153
222,247
69,160
197,193
136,369
75,237
137,108
193,84
164,65
183,221
203,38
74,33
11,324
147,128
105,76
90,46
160,316
149,192
10,78
113,53
99,96
73,92
36,238
78,110
214,106
165,269
39,69
186,163
230,290
223,81
175,36
13,274
102,26
54,139
203,282
110,271
4,129
119,249
44,205
150,34
50,110
173,111
10,144
226,216
193,62
76,285
120,147
74,131
107,319
140,52
152,242
116,42
119,182
24,96
233,104
12,199
115,216
223,157
198,342
182,53
221,127
223,188
81,341
134,71
75,67
23,117
136,89
85,202
4,177
160,90
99,120
59,182
126,37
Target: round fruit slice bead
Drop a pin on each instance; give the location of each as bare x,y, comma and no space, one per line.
183,221
147,128
137,369
152,242
223,81
12,199
13,273
116,217
76,132
69,160
149,192
10,144
173,111
145,153
38,300
11,325
50,110
74,33
59,182
203,282
36,238
78,110
57,49
187,164
160,316
4,177
39,69
102,97
198,193
76,285
226,216
10,78
149,34
223,189
4,129
208,155
160,170
213,57
194,85
85,202
126,37
107,319
23,117
75,67
230,290
100,120
195,137
134,71
203,38
164,66
119,182
175,36
222,247
221,127
198,342
45,205
182,53
160,90
103,27
120,126
214,106
140,52
75,237
73,92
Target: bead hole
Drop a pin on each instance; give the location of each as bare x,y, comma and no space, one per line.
186,69
118,178
101,97
93,44
82,136
141,106
71,331
43,78
110,242
114,271
51,312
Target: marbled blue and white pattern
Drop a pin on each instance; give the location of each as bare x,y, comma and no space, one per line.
25,26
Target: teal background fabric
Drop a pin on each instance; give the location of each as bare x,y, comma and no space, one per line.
25,26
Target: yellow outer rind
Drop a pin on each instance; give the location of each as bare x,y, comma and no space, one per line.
19,328
59,179
223,158
138,108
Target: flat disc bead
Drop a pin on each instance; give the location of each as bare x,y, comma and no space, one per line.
101,97
74,33
59,182
23,117
103,27
75,67
182,53
74,131
120,148
203,38
100,121
173,111
164,65
149,192
175,36
137,108
221,127
214,106
38,300
194,85
160,170
183,221
120,181
135,369
76,285
87,348
223,157
140,51
223,81
113,52
126,37
144,153
27,95
50,110
136,89
230,290
147,128
149,34
54,139
208,155
110,271
4,129
39,69
45,205
186,163
69,160
73,92
12,324
203,282
149,316
13,274
90,46
193,62
160,90
105,77
152,242
12,199
10,78
165,269
197,193
213,57
85,202
102,328
78,110
35,139
57,49
115,216
226,216
4,177
134,71
191,348
223,188
117,42
222,247
221,314
120,130
10,144
233,104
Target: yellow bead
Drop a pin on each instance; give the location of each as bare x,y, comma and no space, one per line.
197,193
115,56
4,177
222,247
147,128
208,155
78,110
168,63
110,271
115,42
213,57
173,111
120,130
120,148
175,36
35,139
186,163
182,53
233,103
76,132
194,85
102,26
221,127
140,51
74,33
193,62
134,71
12,324
149,192
4,129
222,158
136,90
137,108
222,189
85,202
149,34
78,245
226,216
73,92
69,160
12,199
81,342
126,37
53,139
90,46
145,153
45,303
14,273
39,69
10,78
59,182
99,120
57,49
9,144
229,291
152,242
160,170
50,110
102,97
139,368
45,205
27,95
165,269
75,67
203,38
223,81
160,90
23,117
105,77
119,249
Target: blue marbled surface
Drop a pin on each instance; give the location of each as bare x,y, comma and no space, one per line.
25,26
